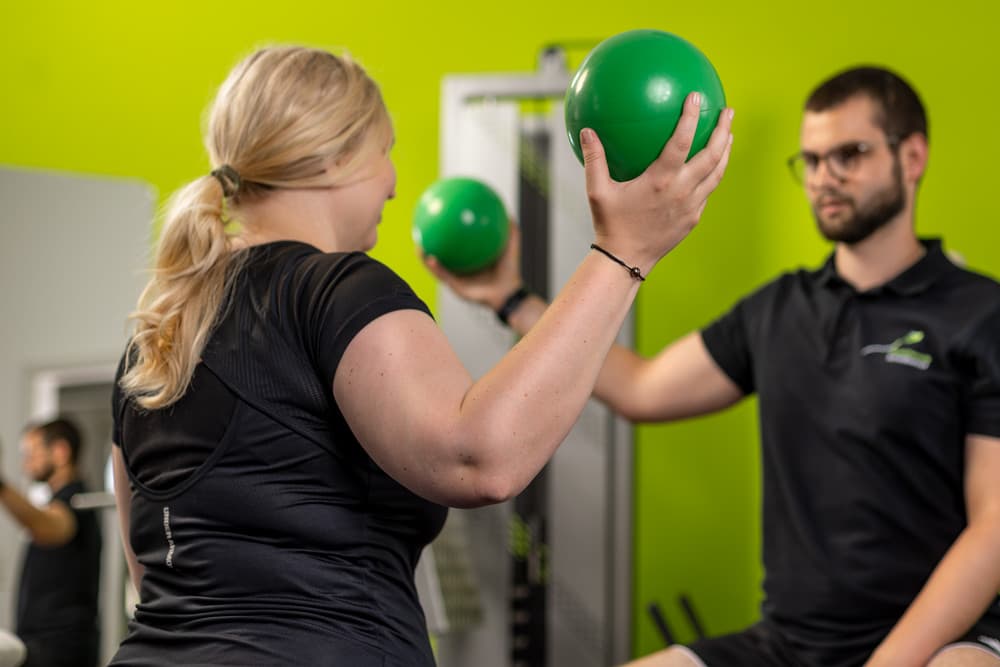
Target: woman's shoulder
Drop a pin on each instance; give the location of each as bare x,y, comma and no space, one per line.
298,277
303,258
346,270
296,268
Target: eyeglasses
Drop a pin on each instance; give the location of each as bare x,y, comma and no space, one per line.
841,161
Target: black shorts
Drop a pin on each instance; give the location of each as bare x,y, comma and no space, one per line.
763,645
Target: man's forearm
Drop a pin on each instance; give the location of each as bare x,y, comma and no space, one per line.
959,591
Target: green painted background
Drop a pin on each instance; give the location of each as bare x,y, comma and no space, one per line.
118,89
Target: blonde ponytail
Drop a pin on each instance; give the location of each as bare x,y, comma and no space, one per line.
177,310
286,117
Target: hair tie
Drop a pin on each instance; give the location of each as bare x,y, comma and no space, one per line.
228,178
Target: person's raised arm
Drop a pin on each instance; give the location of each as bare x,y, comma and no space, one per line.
680,381
52,526
418,413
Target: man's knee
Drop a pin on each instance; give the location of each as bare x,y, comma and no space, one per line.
675,656
964,655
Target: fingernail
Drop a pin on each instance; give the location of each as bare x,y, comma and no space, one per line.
732,112
586,135
696,99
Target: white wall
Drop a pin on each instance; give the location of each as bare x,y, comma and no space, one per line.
72,254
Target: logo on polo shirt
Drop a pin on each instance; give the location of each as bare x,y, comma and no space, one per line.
898,352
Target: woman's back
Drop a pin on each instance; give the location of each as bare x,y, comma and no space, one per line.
256,513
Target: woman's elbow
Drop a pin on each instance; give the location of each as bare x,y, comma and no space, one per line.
486,488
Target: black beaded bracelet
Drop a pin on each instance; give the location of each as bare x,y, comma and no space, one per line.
511,304
634,271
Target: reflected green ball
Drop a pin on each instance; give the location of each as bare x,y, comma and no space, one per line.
462,222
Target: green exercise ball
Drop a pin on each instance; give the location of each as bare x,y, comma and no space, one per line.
630,90
462,222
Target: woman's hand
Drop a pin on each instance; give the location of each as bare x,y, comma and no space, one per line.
642,220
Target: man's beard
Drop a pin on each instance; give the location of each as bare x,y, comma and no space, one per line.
45,474
885,206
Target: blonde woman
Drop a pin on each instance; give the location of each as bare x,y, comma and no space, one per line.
291,424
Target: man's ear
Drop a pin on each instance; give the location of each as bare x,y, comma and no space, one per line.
913,157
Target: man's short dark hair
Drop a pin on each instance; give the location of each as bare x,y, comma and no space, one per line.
901,111
60,429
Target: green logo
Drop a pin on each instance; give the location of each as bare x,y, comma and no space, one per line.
900,351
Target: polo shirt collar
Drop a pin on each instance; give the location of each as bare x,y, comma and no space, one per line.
914,280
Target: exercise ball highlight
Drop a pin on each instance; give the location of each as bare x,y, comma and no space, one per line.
630,89
462,222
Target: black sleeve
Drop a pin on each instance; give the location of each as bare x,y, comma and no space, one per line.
981,347
342,297
65,496
727,342
117,404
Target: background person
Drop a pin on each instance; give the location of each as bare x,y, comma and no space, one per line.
57,598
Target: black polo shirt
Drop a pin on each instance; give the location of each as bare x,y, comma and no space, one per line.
865,400
57,598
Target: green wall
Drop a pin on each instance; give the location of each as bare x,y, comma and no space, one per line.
119,88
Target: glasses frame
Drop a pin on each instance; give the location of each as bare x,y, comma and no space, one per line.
841,160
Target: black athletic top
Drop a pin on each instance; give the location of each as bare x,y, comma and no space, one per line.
865,400
57,598
268,535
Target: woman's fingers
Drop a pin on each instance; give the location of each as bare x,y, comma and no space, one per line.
676,150
710,182
703,164
595,163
